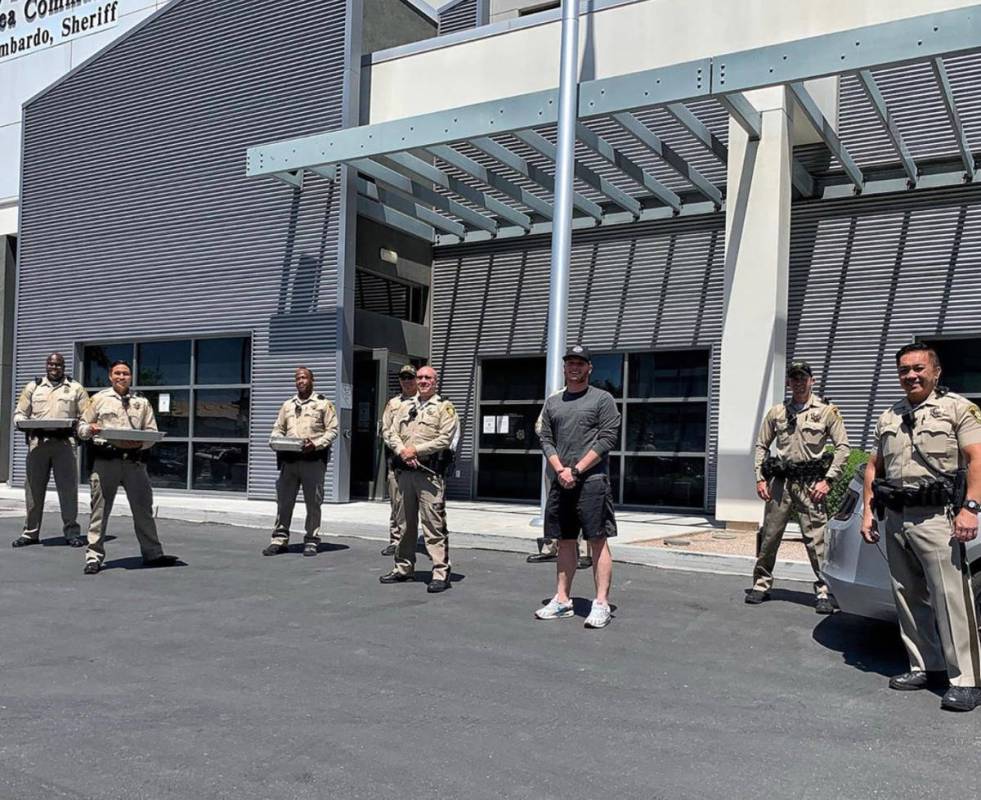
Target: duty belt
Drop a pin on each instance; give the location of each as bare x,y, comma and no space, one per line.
117,453
927,492
57,433
806,471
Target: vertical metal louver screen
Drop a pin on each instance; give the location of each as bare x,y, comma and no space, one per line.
458,17
645,287
868,276
151,229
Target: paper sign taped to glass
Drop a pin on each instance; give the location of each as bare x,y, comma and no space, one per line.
44,424
130,435
286,444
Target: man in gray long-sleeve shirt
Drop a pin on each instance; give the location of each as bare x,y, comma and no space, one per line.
579,428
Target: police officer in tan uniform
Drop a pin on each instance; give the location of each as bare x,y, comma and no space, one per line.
797,479
424,434
120,463
407,383
53,397
928,510
312,418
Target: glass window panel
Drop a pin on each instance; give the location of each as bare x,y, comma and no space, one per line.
608,373
220,467
167,465
656,481
175,421
513,426
96,359
509,476
223,360
164,363
668,427
512,379
961,360
669,374
221,413
615,463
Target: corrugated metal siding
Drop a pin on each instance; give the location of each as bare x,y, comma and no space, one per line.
868,276
137,220
639,287
459,17
914,100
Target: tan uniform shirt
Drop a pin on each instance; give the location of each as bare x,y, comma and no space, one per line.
107,410
45,400
314,418
435,427
943,427
388,419
816,424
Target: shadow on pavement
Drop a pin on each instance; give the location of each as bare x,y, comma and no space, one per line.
136,562
867,644
323,547
60,541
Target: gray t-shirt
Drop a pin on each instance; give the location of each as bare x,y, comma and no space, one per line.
575,423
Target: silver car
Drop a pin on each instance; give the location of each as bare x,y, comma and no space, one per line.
857,572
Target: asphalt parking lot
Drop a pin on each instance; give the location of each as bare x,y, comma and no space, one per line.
238,676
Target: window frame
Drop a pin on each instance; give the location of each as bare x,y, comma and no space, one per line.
191,388
623,404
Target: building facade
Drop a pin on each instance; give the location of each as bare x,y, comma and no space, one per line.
716,235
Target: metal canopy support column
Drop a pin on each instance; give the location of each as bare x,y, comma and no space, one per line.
631,169
539,143
429,172
940,73
534,173
476,170
827,133
417,191
653,142
871,88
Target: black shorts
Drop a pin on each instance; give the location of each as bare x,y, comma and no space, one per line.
587,508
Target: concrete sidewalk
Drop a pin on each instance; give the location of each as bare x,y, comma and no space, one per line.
473,524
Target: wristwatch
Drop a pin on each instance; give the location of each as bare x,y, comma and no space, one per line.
972,505
575,477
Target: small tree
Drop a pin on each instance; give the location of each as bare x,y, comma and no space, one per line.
856,460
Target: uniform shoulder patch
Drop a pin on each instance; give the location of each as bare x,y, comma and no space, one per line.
975,412
450,409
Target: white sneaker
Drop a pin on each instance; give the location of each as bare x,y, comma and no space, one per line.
599,615
553,609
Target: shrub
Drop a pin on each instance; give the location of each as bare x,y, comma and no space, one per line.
856,460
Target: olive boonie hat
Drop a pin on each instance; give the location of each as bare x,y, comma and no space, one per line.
799,367
578,351
408,371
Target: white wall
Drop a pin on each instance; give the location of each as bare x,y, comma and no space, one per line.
614,41
24,76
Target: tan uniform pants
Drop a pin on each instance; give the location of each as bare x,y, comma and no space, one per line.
790,498
395,498
47,456
423,497
308,475
108,474
932,586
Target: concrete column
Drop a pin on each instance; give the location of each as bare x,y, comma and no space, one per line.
754,336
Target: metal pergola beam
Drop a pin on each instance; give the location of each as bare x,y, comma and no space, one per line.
878,102
534,173
430,172
542,145
662,150
745,114
826,132
947,93
627,166
883,44
699,130
408,208
416,191
487,176
395,219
